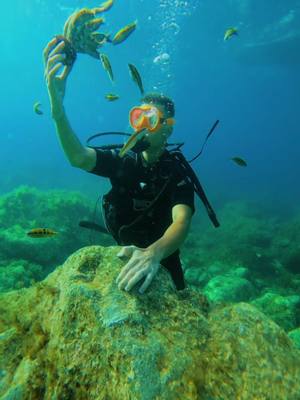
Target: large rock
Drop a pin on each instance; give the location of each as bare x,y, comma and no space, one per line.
284,310
228,288
77,336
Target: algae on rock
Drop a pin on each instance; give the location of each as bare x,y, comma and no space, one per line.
77,336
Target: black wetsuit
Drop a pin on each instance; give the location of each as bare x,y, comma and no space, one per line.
136,188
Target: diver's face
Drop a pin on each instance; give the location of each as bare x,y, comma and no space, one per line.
158,139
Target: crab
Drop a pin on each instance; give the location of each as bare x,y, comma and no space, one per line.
80,29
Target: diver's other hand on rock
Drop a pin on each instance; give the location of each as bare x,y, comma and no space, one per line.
56,83
143,263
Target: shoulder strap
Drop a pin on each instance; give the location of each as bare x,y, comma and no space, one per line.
190,174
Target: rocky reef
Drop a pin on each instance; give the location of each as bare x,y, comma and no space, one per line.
25,260
75,335
253,258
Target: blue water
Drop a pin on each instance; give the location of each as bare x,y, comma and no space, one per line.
255,94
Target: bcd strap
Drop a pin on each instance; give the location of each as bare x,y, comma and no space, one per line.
189,172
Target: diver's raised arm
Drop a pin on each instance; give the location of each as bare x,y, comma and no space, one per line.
54,57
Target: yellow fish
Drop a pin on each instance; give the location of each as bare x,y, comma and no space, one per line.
112,97
124,33
36,108
136,77
230,33
107,66
134,138
41,233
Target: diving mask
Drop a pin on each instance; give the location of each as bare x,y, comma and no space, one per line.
148,117
144,119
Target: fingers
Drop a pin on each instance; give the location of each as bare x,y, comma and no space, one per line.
136,268
53,72
133,264
147,282
58,49
134,280
127,274
52,51
49,48
65,72
124,272
53,60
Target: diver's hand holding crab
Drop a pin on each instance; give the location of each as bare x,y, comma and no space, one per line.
142,263
54,59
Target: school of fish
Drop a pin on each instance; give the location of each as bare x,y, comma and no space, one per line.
81,36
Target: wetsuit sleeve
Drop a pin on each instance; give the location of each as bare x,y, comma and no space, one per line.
107,163
183,193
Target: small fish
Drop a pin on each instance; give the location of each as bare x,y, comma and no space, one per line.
41,233
124,33
229,33
112,97
239,161
131,142
136,77
107,66
36,108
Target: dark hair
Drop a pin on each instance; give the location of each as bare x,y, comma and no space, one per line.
161,100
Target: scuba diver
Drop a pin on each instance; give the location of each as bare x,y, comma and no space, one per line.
150,206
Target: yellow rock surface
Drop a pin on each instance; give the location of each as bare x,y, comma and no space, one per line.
77,336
